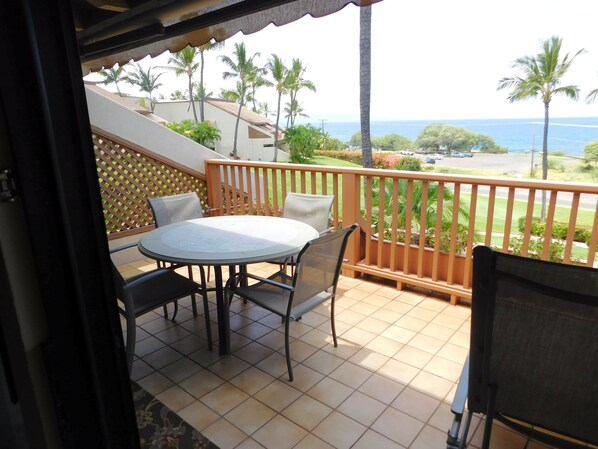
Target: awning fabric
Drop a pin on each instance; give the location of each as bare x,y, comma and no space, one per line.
110,33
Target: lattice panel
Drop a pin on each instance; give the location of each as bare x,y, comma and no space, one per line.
127,178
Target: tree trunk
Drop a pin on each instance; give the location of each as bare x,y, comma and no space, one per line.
237,124
191,98
365,35
201,93
276,128
544,160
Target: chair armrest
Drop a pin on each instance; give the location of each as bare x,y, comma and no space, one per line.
458,406
327,231
260,279
123,247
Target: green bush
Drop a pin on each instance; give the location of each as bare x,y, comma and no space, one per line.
430,238
203,133
303,141
556,164
560,229
409,164
556,248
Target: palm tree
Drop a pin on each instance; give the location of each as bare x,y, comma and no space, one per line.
280,76
296,83
178,95
244,69
365,63
255,82
293,109
113,76
542,77
183,62
144,80
200,93
212,45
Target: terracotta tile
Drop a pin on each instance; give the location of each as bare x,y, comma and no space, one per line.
223,434
175,398
460,339
255,312
140,370
364,308
204,357
437,305
429,437
350,374
362,408
254,330
381,388
397,426
448,321
412,323
275,364
238,341
252,380
323,362
398,306
458,312
250,415
300,350
314,319
317,338
277,395
339,430
422,314
344,350
416,404
172,334
357,336
307,412
155,383
148,345
198,415
386,315
249,443
224,398
398,371
305,377
162,357
399,334
437,331
189,344
228,367
442,417
350,317
274,340
425,343
444,368
279,433
388,292
356,293
367,358
410,297
312,442
377,300
253,353
432,385
330,392
373,440
413,356
181,369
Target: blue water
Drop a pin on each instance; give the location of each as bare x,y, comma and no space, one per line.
564,134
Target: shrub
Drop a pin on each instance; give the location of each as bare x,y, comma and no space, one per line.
303,141
385,160
556,248
430,238
409,164
582,233
203,133
556,164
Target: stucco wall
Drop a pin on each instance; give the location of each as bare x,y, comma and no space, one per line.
134,127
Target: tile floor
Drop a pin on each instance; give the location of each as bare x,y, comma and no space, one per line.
388,384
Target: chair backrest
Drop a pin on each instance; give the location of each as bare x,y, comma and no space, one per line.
319,265
175,208
311,209
534,342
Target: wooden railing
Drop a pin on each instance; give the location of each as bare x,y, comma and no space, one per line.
129,174
442,216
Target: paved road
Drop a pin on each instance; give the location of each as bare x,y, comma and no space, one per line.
514,166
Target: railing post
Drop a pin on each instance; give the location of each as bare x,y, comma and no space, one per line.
351,184
215,200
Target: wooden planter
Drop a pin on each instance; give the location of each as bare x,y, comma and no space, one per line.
427,265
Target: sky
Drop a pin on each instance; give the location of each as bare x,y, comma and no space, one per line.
431,59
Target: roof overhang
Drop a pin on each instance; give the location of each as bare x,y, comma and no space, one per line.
113,32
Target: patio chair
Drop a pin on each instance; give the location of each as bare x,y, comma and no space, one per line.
145,292
290,297
311,209
533,360
172,209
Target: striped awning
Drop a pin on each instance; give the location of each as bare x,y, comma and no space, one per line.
110,32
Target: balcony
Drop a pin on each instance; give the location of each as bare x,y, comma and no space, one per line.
402,317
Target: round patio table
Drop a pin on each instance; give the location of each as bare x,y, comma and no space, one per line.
228,240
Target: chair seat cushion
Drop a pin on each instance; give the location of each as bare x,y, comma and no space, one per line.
151,290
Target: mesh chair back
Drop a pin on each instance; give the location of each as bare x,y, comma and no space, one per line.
319,264
311,209
175,208
535,336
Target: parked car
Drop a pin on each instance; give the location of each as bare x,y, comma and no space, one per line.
467,154
438,156
429,160
406,152
456,154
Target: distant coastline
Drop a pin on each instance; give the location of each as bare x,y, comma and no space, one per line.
568,134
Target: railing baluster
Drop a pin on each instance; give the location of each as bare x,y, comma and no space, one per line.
571,230
423,227
437,230
549,223
593,239
381,215
234,196
226,183
470,235
275,192
408,226
395,224
266,195
335,207
531,198
490,216
508,220
368,221
250,196
454,227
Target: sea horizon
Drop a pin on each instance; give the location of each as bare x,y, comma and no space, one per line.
565,134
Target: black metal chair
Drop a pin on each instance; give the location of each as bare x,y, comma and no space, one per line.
533,360
147,291
314,282
172,209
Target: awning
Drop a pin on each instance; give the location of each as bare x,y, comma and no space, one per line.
113,31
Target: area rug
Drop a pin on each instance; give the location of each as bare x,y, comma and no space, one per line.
159,427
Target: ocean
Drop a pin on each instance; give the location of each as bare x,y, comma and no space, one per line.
569,135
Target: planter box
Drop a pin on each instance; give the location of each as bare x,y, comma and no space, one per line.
428,260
